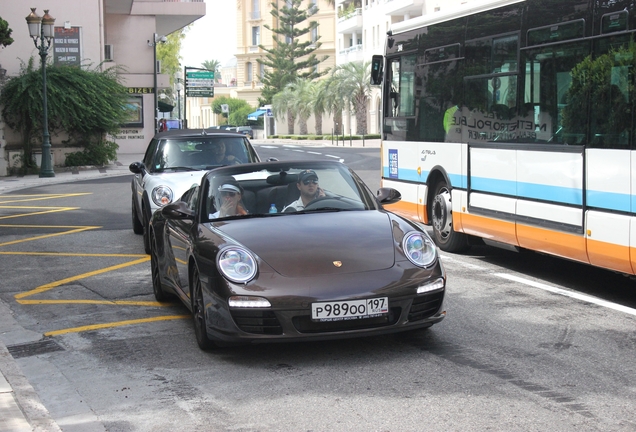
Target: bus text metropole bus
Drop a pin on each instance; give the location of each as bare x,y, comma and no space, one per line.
513,122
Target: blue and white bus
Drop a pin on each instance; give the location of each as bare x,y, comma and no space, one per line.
513,122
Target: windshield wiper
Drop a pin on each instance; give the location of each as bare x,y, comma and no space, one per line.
180,168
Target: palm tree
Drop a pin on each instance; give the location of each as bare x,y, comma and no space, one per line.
282,105
353,81
213,65
335,103
302,102
318,101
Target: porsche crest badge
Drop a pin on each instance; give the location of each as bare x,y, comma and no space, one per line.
337,263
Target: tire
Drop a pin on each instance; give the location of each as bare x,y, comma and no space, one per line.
198,313
146,228
157,289
137,225
446,238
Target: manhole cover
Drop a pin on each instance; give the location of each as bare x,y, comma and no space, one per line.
34,348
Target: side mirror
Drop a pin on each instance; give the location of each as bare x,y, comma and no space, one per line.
137,168
178,210
388,195
377,69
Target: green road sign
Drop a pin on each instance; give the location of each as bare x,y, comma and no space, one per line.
199,83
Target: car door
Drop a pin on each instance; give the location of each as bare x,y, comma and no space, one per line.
180,241
138,179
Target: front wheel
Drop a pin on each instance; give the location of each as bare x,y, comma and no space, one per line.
446,238
198,313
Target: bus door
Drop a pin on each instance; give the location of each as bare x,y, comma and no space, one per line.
551,163
609,85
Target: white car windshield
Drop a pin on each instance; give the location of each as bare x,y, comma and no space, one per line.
199,153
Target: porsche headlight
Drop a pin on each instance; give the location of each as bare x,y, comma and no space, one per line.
419,249
162,195
237,264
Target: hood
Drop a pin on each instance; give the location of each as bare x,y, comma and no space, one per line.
309,244
179,182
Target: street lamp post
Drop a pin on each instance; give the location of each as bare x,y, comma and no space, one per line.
155,38
179,87
42,28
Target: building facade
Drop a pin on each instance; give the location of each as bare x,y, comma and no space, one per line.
99,33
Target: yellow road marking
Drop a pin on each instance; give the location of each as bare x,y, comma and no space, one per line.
27,198
46,287
75,254
5,200
114,324
59,209
105,302
48,235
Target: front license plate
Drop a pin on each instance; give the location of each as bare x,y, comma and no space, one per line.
350,309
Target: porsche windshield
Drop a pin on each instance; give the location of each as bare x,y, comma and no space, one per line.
295,189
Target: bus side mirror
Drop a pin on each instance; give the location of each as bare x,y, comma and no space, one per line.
377,69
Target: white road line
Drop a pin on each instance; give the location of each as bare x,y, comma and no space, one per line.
332,156
268,146
310,152
582,297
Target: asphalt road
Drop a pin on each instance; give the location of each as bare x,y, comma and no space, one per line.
526,345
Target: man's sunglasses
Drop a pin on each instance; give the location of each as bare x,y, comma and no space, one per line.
307,182
228,194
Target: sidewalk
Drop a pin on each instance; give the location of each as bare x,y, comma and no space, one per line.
20,407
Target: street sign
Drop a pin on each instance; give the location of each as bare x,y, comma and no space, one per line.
199,83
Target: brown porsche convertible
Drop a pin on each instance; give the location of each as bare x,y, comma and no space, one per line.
290,251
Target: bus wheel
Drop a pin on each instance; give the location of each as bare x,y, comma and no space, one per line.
442,220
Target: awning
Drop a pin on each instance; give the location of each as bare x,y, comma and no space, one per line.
255,115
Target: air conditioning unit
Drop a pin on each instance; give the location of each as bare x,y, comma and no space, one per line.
158,70
108,52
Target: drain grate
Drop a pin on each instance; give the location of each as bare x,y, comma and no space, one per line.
34,348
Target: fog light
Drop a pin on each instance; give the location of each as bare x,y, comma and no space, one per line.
248,302
435,285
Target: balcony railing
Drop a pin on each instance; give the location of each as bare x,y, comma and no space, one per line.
352,14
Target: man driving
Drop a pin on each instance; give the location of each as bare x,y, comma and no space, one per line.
214,154
309,190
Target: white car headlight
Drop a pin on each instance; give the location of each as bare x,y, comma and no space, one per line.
419,249
162,195
237,264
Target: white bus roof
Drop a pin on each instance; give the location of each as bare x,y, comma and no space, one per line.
438,17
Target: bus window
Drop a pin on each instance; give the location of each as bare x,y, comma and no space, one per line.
402,91
557,112
611,121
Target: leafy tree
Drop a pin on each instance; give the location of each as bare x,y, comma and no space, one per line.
353,82
213,65
87,105
5,33
239,110
289,58
168,53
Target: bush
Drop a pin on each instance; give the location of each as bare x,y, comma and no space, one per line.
96,154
